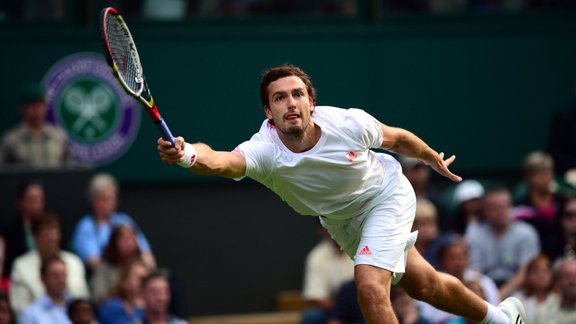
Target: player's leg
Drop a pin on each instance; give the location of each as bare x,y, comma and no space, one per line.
373,286
445,292
423,282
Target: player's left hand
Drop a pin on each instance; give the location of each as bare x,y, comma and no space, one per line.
441,166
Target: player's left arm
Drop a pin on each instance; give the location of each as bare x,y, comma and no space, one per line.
405,143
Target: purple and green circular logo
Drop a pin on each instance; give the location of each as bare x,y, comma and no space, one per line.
85,99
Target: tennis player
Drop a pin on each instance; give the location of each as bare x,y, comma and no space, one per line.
319,160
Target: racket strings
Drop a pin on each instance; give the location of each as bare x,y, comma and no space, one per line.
123,53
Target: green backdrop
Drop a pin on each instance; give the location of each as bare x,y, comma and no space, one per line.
483,89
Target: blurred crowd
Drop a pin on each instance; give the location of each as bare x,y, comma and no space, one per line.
107,273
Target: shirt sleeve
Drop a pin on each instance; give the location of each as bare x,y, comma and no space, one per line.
531,245
258,156
84,240
20,297
364,127
315,286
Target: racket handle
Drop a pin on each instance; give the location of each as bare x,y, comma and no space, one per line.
165,131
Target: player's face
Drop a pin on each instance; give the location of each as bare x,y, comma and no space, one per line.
290,106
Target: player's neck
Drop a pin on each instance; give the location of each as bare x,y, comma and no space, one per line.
304,141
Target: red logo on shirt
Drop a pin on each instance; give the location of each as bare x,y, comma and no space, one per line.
351,156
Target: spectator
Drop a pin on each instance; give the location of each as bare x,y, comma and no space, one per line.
30,202
34,143
346,309
501,247
326,269
540,205
26,284
562,307
453,259
93,231
563,243
156,295
419,175
7,315
51,307
429,237
537,288
121,249
467,200
405,307
82,311
126,306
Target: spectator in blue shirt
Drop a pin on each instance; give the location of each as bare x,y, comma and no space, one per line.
51,307
156,296
127,304
93,231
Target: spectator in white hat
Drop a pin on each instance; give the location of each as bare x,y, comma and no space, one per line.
467,199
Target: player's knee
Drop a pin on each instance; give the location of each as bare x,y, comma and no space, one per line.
371,290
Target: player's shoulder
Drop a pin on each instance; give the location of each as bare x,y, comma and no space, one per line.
338,114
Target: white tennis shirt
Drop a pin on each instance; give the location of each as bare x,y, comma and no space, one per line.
337,177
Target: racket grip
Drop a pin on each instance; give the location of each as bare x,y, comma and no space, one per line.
165,131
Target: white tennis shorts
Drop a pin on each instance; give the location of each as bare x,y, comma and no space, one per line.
381,236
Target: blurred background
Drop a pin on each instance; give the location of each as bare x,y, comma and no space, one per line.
481,79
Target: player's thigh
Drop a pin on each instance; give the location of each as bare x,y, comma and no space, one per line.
420,278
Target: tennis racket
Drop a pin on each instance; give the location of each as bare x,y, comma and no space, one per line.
122,56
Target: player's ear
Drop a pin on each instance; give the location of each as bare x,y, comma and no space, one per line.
268,112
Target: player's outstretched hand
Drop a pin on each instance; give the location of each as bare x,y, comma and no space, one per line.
441,166
171,154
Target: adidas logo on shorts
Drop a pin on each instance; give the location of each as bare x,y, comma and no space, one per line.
365,251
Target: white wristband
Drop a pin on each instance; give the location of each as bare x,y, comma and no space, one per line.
189,156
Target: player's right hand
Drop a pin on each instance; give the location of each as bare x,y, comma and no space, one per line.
171,154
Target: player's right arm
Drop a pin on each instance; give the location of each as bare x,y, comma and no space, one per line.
208,161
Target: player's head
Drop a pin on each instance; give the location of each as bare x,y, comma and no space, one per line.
283,71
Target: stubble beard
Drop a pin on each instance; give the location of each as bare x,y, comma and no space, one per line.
295,133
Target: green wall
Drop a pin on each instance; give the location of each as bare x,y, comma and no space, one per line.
483,89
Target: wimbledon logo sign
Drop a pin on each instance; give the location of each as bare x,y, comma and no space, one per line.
86,101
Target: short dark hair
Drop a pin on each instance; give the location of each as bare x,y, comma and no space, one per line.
25,185
46,263
47,220
155,274
283,71
79,301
